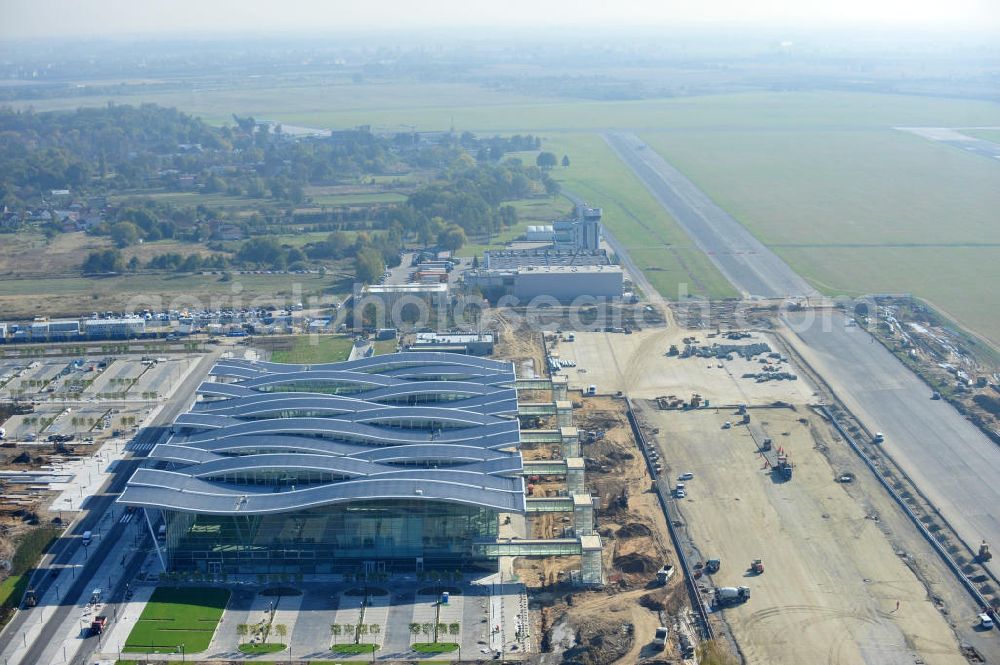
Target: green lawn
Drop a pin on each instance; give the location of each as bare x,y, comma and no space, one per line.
434,647
312,349
861,211
177,616
385,346
29,551
354,648
256,649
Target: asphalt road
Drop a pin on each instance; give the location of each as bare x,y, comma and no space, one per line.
750,266
66,547
977,147
949,459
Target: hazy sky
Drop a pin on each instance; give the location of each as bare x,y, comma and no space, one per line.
59,18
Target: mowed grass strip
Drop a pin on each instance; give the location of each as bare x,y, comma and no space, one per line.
660,248
177,616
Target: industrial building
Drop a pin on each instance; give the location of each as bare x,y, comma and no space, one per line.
114,328
566,283
473,344
60,329
574,265
399,461
391,295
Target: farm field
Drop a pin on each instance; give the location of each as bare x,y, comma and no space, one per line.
68,296
178,615
820,176
990,134
860,211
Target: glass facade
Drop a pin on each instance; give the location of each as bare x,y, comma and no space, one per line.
332,538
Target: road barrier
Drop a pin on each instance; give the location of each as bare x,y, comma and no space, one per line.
938,547
693,591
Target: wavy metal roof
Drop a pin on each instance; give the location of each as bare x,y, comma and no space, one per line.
235,454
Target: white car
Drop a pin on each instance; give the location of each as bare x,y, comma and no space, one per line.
685,476
680,494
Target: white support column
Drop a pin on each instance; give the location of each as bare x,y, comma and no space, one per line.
156,542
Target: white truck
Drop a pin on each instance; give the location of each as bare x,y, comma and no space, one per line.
660,638
731,595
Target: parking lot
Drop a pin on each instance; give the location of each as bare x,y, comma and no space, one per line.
86,398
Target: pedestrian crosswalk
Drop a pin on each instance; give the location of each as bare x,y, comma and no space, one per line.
140,447
127,517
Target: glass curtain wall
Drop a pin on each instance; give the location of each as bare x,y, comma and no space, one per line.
331,538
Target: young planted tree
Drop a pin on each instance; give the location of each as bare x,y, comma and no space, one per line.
336,630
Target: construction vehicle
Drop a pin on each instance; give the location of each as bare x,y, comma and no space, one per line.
731,595
878,438
984,553
712,566
660,638
766,445
783,468
757,567
98,625
664,574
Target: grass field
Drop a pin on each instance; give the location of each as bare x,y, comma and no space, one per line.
659,247
985,134
311,349
820,176
20,298
26,557
861,211
178,616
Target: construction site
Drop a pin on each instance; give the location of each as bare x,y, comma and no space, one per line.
733,514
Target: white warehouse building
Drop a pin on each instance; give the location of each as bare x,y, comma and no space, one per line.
566,283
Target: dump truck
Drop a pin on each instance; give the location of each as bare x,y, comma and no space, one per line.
731,595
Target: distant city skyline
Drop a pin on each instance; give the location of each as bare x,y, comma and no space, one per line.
31,19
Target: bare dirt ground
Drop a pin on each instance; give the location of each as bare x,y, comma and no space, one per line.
615,625
832,580
638,365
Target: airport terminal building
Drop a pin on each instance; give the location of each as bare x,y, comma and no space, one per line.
398,461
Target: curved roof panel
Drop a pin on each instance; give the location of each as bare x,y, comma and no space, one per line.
426,425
